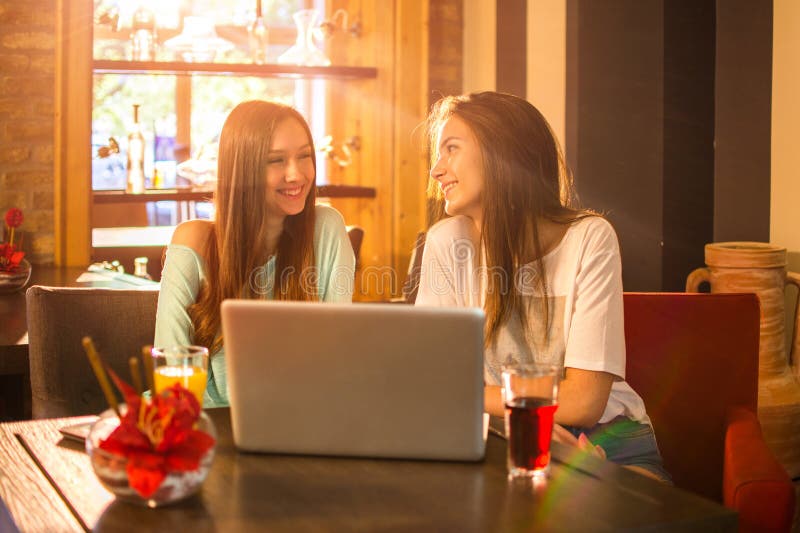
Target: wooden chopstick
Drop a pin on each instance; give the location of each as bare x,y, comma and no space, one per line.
136,377
147,359
100,373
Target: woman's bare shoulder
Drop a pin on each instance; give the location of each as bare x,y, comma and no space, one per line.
193,234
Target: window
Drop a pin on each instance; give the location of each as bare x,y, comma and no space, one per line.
373,98
180,115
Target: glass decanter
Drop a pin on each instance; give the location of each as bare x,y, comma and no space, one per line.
304,51
258,37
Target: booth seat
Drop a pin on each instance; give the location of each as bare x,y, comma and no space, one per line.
694,360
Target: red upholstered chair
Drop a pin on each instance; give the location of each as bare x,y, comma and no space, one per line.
694,360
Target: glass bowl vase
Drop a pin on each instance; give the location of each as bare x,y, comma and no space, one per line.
16,279
111,469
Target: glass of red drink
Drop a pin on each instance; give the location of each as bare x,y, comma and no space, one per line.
530,391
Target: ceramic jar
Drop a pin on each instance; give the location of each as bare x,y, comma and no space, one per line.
761,268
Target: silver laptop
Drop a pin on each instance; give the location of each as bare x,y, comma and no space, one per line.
369,380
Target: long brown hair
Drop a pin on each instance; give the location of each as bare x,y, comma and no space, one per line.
236,249
525,180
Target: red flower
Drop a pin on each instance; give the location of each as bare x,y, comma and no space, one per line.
157,436
10,258
14,217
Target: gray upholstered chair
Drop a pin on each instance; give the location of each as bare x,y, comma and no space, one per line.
119,321
356,234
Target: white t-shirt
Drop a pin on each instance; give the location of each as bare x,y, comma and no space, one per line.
584,296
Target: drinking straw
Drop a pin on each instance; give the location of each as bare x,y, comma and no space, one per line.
136,378
147,358
100,373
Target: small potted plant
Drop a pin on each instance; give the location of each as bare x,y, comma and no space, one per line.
15,271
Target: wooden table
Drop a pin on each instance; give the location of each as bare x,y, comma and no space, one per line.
46,484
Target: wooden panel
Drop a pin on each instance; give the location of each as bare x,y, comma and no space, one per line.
183,118
411,155
359,108
72,156
446,66
384,113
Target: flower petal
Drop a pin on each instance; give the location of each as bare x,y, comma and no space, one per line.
186,457
146,472
125,439
127,391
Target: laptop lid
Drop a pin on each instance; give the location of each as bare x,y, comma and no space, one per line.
371,380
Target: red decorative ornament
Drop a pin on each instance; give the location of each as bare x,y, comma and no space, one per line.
157,436
14,218
11,256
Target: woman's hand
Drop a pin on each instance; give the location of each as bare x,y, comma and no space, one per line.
493,404
562,436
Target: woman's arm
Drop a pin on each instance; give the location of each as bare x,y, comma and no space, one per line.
335,259
180,283
582,397
595,348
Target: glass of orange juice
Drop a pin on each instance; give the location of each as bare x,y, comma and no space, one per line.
187,365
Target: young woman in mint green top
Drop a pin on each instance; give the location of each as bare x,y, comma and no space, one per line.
268,239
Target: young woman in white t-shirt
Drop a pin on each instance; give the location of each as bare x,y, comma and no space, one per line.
547,273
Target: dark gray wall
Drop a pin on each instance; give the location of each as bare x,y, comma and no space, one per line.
688,214
743,120
668,126
511,23
614,117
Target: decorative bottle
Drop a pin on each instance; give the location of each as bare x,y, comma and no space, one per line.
140,268
143,35
258,37
135,183
304,51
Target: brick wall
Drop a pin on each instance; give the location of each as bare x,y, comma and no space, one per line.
27,88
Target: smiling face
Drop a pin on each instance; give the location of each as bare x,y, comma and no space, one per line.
459,169
290,170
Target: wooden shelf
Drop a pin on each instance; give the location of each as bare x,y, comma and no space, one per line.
106,66
189,195
153,195
345,191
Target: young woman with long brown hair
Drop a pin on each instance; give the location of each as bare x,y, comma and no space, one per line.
546,272
267,240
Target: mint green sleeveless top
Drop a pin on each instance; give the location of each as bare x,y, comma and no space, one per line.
184,274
